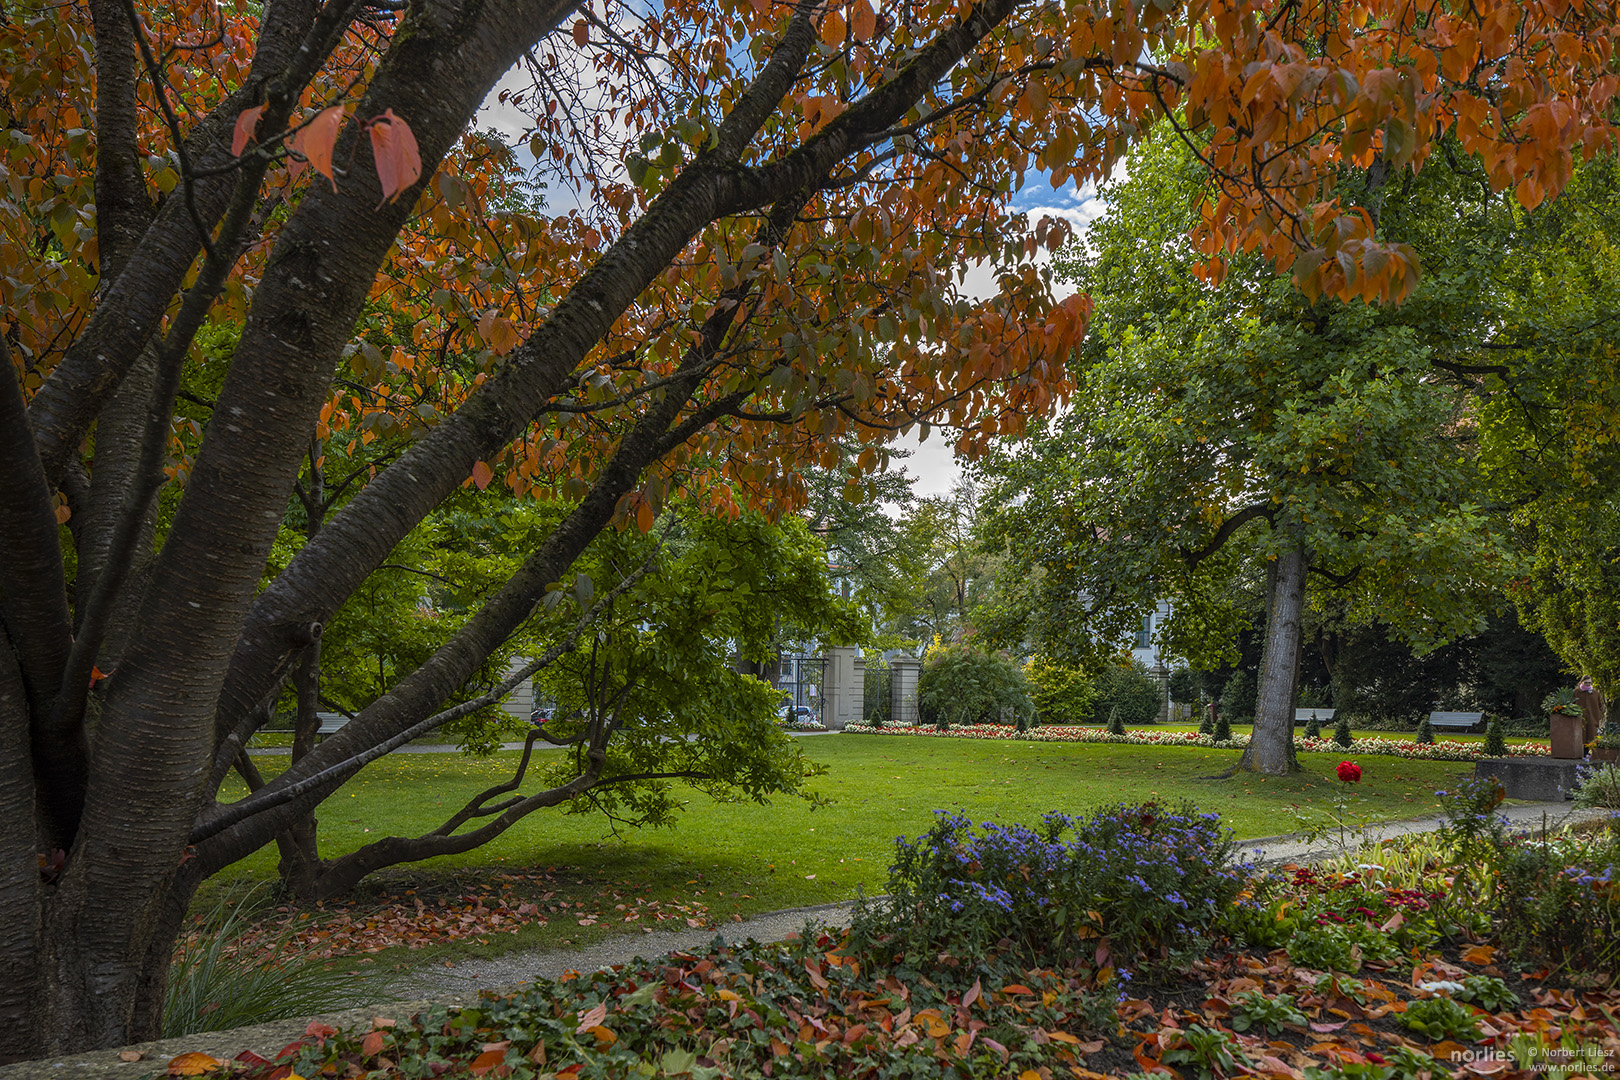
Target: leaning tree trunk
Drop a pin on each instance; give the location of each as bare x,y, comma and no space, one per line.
1271,747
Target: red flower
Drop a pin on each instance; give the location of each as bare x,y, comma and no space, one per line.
1349,772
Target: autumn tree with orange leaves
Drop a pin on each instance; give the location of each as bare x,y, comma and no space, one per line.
774,280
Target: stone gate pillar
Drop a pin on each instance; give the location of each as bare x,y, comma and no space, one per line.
903,672
844,686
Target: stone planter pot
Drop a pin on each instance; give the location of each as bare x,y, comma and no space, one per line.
1567,732
1605,753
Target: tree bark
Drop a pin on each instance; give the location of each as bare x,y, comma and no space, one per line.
148,777
21,894
1271,746
34,621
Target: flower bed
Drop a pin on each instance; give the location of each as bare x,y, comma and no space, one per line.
1095,948
1439,750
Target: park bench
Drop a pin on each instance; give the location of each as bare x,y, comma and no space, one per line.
1462,721
330,723
1303,716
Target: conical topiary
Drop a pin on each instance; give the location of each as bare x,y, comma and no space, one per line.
1116,726
1425,735
1223,728
1341,732
1206,726
1313,726
1495,745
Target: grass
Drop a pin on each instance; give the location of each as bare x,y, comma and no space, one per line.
741,859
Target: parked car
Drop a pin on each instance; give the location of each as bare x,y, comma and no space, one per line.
793,714
540,714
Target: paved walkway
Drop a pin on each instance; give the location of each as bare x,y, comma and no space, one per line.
1274,850
462,981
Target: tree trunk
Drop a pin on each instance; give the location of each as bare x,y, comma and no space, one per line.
300,854
1271,747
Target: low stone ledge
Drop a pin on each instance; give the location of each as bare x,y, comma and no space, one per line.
1536,779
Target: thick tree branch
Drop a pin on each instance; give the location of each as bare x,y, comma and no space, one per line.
34,619
1192,557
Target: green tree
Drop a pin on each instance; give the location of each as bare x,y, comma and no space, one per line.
1243,430
876,559
958,573
1126,690
1062,693
962,684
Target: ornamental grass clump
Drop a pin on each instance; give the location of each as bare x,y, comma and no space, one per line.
1150,879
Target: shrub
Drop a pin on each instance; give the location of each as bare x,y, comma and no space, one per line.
963,685
1062,694
1313,726
1116,726
1440,1018
1237,696
1334,946
1488,992
1557,902
1495,743
215,985
1254,1009
1223,727
1598,786
1206,726
1425,733
1341,732
1129,688
1152,879
1184,686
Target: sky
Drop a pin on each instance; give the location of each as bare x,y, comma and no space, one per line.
933,463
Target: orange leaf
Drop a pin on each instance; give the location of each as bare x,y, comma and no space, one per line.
317,138
399,163
582,33
1479,954
862,20
644,522
193,1064
481,475
486,1061
245,123
372,1044
832,29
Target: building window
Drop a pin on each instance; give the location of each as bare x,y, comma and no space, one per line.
1144,636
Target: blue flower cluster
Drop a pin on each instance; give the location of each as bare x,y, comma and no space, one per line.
1145,881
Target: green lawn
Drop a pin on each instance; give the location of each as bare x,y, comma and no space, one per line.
742,859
